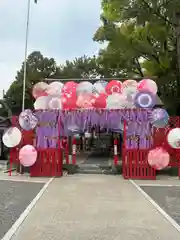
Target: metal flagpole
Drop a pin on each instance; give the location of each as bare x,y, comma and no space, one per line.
25,64
25,54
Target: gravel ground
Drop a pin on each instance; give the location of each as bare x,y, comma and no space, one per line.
168,198
14,198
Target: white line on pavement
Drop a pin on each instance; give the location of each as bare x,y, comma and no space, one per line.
23,216
158,185
165,215
23,180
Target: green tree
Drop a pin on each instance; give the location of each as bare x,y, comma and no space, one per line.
38,67
141,41
83,67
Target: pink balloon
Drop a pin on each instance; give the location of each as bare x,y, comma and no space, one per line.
69,88
158,158
27,155
148,85
69,101
85,101
114,86
40,89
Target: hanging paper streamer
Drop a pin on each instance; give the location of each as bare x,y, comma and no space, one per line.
158,158
27,155
40,89
144,99
12,137
173,138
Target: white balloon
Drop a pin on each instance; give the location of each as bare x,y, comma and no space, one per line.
12,137
173,138
130,87
84,87
42,103
99,87
55,89
55,103
115,101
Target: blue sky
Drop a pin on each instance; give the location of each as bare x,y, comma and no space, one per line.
62,29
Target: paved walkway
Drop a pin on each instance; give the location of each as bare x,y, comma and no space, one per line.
94,207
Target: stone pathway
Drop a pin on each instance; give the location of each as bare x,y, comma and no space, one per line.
94,207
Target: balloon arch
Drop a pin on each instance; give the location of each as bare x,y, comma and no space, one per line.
69,109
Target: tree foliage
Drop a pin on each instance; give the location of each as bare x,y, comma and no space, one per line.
39,68
141,40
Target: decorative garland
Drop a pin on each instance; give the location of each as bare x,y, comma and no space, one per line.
63,123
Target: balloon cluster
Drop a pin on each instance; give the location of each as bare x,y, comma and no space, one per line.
101,94
12,138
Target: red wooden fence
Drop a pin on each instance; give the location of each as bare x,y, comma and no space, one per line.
134,161
48,164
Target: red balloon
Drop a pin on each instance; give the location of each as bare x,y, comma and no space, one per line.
100,101
69,88
69,102
114,86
